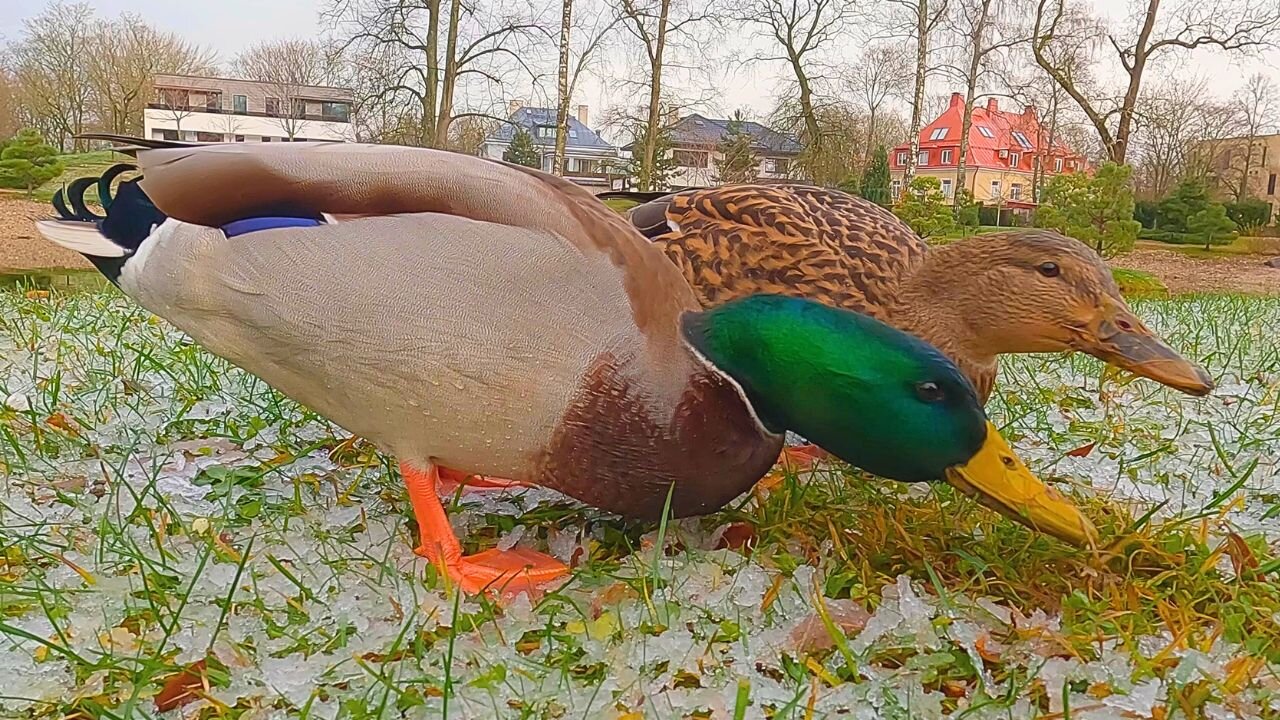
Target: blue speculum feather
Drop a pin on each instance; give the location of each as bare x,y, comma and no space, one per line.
248,225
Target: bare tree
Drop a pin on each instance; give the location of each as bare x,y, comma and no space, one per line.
922,20
654,24
123,57
47,67
10,113
1254,107
176,106
800,34
482,42
286,67
882,72
1149,34
977,24
1176,125
575,58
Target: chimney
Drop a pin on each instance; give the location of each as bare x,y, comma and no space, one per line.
582,114
992,106
1029,112
956,100
514,106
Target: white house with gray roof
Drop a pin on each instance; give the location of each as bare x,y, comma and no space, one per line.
694,142
590,161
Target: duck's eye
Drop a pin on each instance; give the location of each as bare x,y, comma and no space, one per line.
1048,269
928,391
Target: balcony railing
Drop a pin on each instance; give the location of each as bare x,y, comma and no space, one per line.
252,113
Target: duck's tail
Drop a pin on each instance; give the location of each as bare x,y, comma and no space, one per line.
106,240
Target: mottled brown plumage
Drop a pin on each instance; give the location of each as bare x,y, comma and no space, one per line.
974,299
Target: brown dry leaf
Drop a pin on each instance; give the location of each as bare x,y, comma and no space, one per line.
740,536
63,423
182,688
1100,690
811,634
1082,451
988,649
611,596
954,688
1242,557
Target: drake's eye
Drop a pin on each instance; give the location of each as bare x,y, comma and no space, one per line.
1048,269
928,391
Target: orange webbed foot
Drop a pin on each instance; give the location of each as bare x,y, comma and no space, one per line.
507,572
451,480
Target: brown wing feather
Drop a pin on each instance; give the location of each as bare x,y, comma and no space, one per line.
795,240
215,184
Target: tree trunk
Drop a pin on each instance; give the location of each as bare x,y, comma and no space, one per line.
431,78
445,116
971,89
810,117
917,98
562,108
653,129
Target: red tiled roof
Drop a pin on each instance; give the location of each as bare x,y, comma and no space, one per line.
1007,132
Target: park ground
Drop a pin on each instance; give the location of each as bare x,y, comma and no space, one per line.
177,540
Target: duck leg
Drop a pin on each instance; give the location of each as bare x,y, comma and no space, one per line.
506,571
450,480
801,457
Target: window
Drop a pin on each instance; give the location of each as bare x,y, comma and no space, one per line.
946,187
173,135
923,158
546,131
1014,159
946,157
1271,184
1057,165
985,131
174,99
298,107
573,133
895,188
239,138
273,106
240,104
208,137
266,139
689,158
902,159
1022,140
938,134
1015,191
995,188
335,111
213,102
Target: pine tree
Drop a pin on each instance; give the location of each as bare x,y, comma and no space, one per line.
522,151
1095,210
27,162
738,163
664,163
875,181
1212,224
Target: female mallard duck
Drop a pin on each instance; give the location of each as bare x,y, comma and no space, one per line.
474,315
1010,292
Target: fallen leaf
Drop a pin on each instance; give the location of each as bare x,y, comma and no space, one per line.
63,423
740,536
988,649
811,634
182,688
1242,557
954,688
37,294
1082,451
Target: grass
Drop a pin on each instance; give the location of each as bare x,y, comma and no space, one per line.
1136,283
173,532
1239,246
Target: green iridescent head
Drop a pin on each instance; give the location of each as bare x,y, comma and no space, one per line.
875,397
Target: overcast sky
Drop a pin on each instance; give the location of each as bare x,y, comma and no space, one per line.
229,25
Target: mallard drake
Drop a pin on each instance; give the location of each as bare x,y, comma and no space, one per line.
468,314
1019,291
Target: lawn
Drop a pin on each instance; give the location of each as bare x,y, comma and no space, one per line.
175,534
77,165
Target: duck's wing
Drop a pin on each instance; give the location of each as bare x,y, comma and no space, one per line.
797,240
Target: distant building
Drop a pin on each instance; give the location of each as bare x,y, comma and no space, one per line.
209,109
694,141
589,160
1237,167
1004,148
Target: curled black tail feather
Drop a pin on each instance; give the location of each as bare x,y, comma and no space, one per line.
129,220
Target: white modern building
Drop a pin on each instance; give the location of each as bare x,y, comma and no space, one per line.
209,109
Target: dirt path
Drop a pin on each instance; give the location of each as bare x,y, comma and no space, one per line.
21,249
1224,273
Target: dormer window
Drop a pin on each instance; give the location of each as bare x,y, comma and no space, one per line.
985,131
1014,159
938,134
1021,139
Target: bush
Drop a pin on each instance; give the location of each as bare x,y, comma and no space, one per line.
967,211
924,208
1189,197
26,162
1181,238
1096,210
1145,212
1249,213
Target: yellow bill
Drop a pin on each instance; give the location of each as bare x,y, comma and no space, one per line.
997,478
